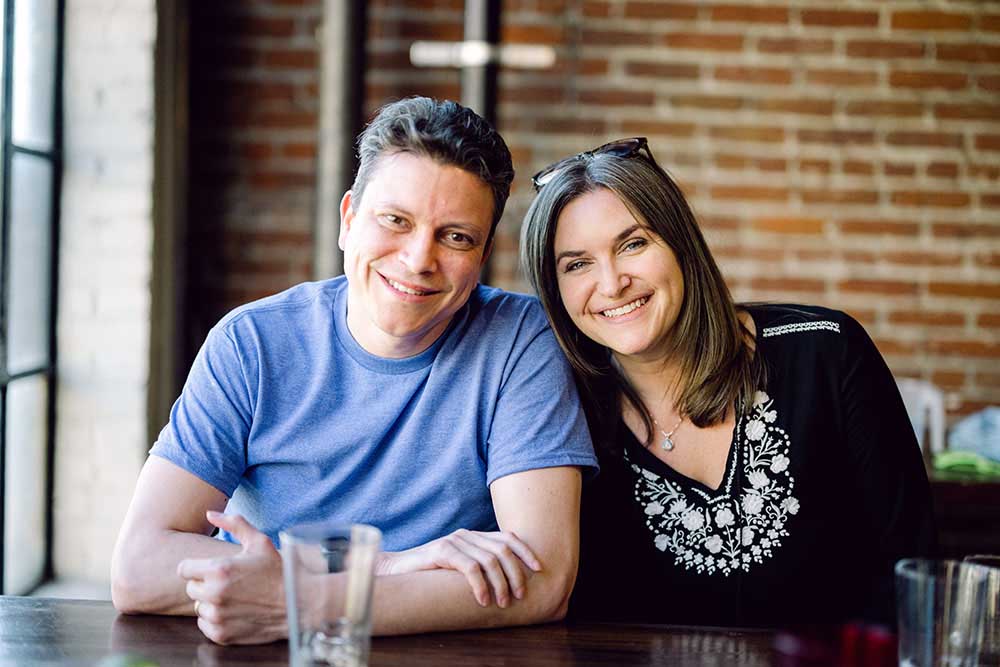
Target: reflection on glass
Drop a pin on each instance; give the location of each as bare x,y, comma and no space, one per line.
34,73
24,516
30,274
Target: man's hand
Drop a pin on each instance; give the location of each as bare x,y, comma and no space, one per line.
494,563
238,599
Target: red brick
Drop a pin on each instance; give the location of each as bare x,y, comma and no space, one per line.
989,201
927,318
989,22
815,165
891,347
979,170
726,161
755,75
789,225
936,139
704,42
968,111
988,82
663,70
916,258
737,133
988,142
661,10
886,287
928,198
831,196
987,259
719,222
861,226
448,31
657,128
292,59
794,45
839,18
615,38
942,170
771,164
858,167
967,290
970,53
593,8
749,192
843,77
991,380
256,151
963,348
923,80
788,285
281,179
561,125
300,150
930,20
511,33
727,103
744,253
749,14
991,320
898,169
809,107
592,66
965,230
948,379
855,137
551,93
885,108
613,97
883,49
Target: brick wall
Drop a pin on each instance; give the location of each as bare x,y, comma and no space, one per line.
105,260
254,102
839,154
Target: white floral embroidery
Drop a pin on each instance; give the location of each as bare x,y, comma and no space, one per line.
736,528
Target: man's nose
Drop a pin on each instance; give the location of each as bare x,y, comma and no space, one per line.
419,253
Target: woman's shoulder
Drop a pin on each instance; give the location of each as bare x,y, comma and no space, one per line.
786,319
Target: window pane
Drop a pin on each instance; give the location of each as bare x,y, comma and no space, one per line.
29,259
34,72
24,539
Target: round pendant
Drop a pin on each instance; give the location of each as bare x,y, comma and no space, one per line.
668,444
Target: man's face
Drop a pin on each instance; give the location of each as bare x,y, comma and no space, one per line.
413,247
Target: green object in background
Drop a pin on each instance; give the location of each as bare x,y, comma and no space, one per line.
126,660
954,460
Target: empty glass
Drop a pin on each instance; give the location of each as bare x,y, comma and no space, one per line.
329,573
940,606
989,653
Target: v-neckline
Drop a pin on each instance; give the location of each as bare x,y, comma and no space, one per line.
648,460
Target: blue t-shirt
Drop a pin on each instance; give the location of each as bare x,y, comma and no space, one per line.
285,413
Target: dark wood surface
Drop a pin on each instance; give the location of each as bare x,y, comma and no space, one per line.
967,513
59,633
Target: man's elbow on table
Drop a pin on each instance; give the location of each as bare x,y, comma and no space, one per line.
126,585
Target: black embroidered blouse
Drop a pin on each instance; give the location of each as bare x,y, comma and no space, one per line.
824,489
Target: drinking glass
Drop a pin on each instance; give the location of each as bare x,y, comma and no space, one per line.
989,653
940,606
329,572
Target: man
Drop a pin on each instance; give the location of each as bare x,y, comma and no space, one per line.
401,395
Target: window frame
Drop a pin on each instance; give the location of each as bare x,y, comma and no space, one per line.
55,158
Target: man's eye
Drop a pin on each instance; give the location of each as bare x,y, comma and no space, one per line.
392,219
459,239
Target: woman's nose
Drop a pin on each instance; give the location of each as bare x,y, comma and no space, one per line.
613,282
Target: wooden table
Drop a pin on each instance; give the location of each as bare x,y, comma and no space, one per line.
59,633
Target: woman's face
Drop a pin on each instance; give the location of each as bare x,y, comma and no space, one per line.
619,282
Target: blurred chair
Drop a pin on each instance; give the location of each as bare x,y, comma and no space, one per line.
925,407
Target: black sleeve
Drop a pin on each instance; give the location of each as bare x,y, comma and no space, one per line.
888,474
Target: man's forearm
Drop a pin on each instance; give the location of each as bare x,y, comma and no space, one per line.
144,577
440,600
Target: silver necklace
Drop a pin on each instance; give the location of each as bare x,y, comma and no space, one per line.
668,443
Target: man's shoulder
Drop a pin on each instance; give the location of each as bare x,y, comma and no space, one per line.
296,300
499,306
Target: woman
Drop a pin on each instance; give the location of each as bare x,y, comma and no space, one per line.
757,463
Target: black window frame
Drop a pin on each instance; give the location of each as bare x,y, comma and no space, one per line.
55,157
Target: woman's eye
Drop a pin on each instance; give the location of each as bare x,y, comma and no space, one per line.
634,244
574,266
392,219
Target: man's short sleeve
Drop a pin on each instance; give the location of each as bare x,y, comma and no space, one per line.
538,421
210,422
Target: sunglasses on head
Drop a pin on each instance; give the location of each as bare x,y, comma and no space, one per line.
622,148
